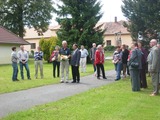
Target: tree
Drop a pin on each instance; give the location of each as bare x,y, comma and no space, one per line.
16,14
47,46
77,19
142,15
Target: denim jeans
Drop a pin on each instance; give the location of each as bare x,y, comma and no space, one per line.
15,71
27,69
118,68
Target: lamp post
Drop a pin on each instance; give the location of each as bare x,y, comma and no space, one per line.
118,38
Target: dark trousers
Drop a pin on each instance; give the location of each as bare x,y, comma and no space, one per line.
94,66
56,64
143,81
75,73
100,66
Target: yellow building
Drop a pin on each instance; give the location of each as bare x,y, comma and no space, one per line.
115,34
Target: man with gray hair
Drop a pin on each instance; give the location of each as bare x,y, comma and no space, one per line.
154,65
92,55
64,62
83,59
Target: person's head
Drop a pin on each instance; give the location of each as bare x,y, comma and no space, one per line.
94,45
22,47
82,47
13,48
99,47
140,44
153,42
75,46
57,48
39,48
118,48
134,45
123,46
64,44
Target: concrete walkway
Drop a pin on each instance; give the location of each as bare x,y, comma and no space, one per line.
22,100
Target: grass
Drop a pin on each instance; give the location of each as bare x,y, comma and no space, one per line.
6,84
115,101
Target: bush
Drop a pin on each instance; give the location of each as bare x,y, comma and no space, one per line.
109,48
47,46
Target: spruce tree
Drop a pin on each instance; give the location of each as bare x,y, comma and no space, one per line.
77,19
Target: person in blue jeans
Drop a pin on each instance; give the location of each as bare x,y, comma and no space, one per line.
14,60
23,62
117,60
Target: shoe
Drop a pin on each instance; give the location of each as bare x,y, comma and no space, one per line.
67,81
61,81
16,80
77,81
153,94
98,78
104,78
73,82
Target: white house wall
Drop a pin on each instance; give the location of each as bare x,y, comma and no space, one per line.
5,53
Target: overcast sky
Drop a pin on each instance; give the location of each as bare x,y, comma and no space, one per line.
110,9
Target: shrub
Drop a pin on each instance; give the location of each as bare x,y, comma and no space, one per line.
109,48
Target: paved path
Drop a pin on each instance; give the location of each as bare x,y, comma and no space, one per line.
22,100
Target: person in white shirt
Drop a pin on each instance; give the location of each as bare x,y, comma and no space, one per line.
83,59
23,62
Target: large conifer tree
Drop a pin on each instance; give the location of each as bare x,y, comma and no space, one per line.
78,19
142,15
16,14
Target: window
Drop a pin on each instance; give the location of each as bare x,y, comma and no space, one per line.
33,45
108,42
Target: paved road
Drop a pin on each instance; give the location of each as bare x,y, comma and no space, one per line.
22,100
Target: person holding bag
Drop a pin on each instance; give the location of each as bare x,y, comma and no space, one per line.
55,59
135,66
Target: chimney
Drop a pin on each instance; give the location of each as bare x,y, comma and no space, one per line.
115,19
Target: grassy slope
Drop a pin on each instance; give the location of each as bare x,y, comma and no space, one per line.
111,102
6,84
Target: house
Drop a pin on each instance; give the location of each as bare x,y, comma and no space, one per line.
115,34
7,41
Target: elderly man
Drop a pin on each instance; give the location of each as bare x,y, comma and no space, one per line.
64,63
154,65
83,59
92,55
23,61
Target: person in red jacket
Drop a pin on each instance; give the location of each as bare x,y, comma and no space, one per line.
99,61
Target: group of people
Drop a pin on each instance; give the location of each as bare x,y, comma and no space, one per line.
137,62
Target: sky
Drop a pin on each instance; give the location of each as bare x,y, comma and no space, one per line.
110,9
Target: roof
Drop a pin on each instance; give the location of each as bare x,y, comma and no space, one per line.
115,27
8,37
32,33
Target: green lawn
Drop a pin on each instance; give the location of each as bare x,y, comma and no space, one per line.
6,84
115,101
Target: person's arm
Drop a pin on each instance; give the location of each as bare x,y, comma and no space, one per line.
27,56
78,57
19,56
154,60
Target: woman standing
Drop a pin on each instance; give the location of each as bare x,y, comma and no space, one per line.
134,66
55,58
99,61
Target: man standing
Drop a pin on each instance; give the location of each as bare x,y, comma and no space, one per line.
75,58
64,63
92,55
14,60
83,59
23,61
38,57
153,66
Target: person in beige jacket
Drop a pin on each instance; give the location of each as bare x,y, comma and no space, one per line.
154,65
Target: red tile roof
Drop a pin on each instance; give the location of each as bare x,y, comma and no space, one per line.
115,27
9,37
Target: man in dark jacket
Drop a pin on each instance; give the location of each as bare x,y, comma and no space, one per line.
75,59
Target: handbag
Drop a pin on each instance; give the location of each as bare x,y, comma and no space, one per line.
133,63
